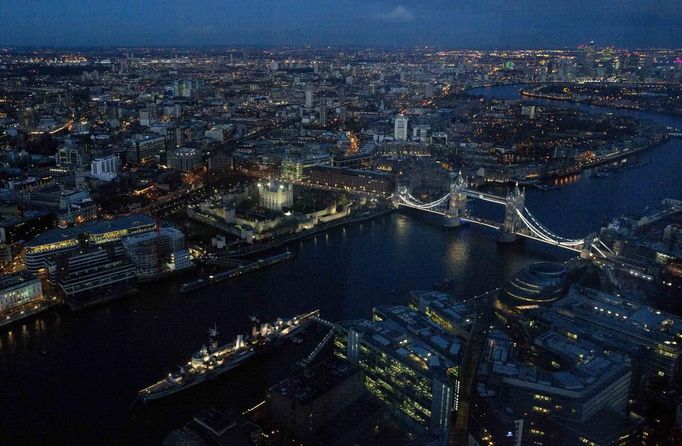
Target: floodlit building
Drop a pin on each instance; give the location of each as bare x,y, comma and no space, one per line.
275,196
540,284
351,179
18,291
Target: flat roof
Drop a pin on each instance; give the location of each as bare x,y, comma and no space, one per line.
99,227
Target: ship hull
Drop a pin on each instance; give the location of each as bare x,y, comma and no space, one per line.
201,378
164,388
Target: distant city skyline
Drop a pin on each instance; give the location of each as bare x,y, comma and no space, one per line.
481,24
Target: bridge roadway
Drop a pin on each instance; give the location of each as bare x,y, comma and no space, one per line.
530,228
483,196
496,225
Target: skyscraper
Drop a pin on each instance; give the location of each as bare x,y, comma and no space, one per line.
309,96
400,130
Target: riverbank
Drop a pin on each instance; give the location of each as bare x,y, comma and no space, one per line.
26,312
323,227
571,166
535,94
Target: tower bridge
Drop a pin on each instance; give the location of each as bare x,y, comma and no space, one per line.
518,220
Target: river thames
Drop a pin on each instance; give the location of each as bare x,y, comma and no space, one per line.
70,378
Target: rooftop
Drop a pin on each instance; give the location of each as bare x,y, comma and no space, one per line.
99,227
411,339
316,381
586,366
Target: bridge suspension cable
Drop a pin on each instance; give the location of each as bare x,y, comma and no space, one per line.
414,202
548,232
545,234
537,230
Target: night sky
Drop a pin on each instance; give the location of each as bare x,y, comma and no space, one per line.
449,23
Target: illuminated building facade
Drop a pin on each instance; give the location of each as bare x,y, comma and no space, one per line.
410,364
453,317
292,170
54,242
145,148
656,332
105,168
275,196
18,291
359,180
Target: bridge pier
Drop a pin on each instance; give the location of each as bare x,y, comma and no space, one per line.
514,202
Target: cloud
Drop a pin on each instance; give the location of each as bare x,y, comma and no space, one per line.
399,14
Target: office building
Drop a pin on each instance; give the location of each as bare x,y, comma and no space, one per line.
550,389
629,324
539,284
292,170
304,403
146,117
71,156
449,314
52,243
19,228
400,128
54,197
309,96
410,364
145,148
421,132
105,168
184,159
90,273
221,163
157,253
323,114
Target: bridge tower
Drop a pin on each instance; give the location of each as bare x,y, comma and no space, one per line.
400,191
515,201
457,204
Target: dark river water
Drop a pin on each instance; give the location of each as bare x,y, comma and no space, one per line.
70,378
